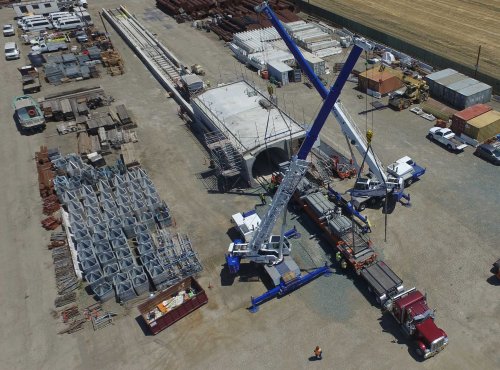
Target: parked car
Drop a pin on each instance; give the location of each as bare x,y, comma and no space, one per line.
11,51
489,152
8,30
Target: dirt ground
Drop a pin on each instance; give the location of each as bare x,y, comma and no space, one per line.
451,28
444,244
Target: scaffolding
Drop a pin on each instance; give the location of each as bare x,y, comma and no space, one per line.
227,161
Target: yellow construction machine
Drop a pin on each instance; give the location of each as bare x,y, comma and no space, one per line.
416,91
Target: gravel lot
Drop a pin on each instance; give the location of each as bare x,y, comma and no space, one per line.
444,244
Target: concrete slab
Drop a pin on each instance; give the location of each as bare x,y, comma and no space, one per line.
245,121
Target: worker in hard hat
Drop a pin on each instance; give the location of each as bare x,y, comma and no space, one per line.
343,264
318,353
338,256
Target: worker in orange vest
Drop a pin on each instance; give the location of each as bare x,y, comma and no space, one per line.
318,352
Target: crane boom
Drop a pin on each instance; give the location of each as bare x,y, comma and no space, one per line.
264,247
348,127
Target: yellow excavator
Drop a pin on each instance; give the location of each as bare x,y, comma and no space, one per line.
416,91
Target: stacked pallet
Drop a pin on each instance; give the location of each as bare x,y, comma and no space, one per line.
113,61
129,155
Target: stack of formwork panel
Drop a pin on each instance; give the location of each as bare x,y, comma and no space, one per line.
110,213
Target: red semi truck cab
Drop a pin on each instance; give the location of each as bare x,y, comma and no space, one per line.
411,311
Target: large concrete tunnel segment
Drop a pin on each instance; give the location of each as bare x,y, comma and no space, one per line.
267,161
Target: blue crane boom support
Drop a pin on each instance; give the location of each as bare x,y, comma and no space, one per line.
261,249
330,97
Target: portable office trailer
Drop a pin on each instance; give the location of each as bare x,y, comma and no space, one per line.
382,82
280,71
35,7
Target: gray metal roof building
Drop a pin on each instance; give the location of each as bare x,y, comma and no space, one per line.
457,89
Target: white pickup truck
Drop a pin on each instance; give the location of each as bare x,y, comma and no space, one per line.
406,169
447,138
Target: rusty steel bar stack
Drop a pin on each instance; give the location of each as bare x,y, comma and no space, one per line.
229,16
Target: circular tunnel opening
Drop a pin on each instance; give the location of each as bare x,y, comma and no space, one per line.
267,162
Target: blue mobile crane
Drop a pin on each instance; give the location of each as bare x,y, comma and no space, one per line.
273,251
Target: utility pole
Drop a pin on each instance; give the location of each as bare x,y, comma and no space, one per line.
477,61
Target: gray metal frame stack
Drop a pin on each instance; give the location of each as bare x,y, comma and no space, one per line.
117,221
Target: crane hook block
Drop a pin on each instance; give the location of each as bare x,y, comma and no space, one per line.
369,136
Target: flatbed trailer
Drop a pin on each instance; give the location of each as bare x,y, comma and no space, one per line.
341,231
382,281
408,308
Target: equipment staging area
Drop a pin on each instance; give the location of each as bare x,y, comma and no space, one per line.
444,244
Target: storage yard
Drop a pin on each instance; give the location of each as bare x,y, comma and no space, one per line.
139,167
451,28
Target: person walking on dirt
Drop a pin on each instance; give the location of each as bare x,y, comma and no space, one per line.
318,353
263,198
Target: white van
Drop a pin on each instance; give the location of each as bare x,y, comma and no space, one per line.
68,23
58,15
23,20
37,25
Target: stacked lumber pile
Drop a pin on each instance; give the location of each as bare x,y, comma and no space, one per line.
112,60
